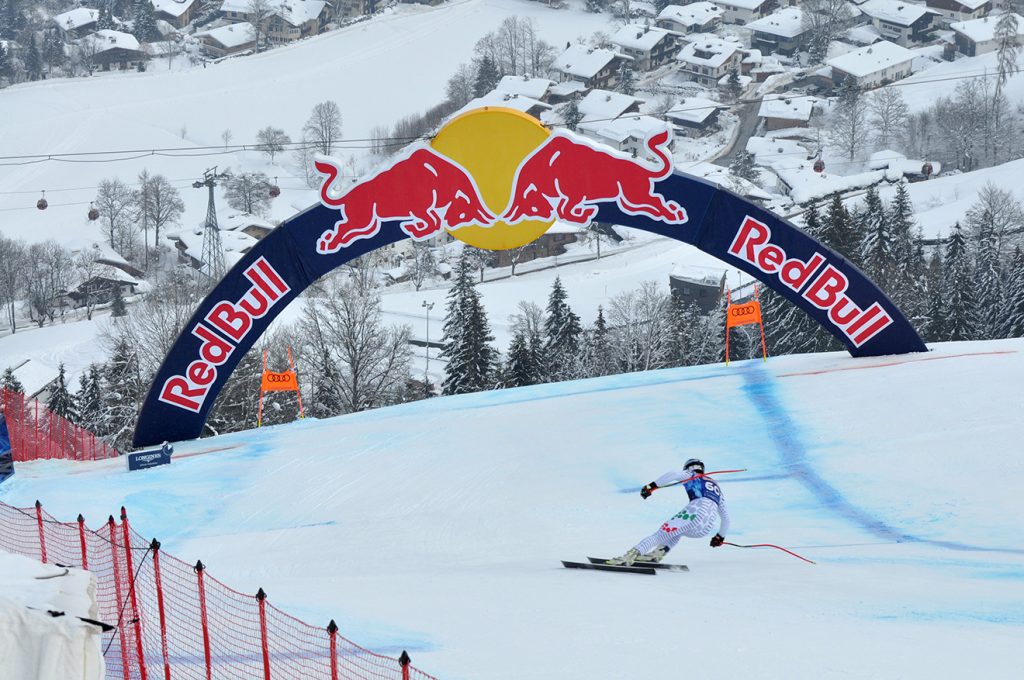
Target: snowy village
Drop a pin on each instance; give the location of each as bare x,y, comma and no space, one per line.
378,340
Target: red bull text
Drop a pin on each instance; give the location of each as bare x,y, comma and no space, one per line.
826,291
234,321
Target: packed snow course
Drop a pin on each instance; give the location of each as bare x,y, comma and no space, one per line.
438,526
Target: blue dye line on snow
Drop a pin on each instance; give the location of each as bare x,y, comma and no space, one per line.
782,430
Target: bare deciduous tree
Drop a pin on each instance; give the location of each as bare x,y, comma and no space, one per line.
115,202
371,360
12,276
422,264
888,117
272,141
323,129
249,192
639,328
158,204
259,12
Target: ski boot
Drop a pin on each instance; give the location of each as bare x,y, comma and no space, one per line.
625,560
653,557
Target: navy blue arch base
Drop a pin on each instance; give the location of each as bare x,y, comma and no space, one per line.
241,307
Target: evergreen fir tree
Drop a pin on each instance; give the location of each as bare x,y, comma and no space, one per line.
326,401
571,113
12,18
466,338
61,403
733,86
960,319
934,327
627,78
487,77
1015,295
562,332
521,368
144,21
743,166
237,403
989,319
117,306
33,60
53,49
812,221
6,69
876,242
88,400
105,19
838,230
10,381
599,359
122,394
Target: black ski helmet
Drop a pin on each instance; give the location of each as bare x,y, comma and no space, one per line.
695,465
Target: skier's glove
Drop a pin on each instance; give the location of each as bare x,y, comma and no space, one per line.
648,490
717,540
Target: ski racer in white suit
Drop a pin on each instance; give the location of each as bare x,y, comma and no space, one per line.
696,520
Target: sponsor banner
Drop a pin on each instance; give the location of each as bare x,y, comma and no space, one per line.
279,382
815,278
560,176
743,313
142,460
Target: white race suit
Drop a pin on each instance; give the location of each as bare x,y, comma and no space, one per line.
697,519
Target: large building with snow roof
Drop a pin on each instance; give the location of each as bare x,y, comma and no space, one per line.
780,112
290,19
650,47
592,66
606,105
959,10
697,17
177,13
694,116
78,22
534,88
878,64
628,134
899,21
744,11
780,32
709,58
979,36
109,49
229,39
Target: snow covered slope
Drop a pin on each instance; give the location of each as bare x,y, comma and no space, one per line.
438,526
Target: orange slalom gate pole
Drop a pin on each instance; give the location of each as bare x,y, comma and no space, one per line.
764,348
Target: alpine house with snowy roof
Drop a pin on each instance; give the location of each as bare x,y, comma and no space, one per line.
592,66
878,64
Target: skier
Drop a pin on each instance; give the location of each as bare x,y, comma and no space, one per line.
694,521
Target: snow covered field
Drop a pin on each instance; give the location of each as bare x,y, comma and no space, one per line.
437,526
378,71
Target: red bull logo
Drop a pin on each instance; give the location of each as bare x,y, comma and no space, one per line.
426,191
549,183
496,196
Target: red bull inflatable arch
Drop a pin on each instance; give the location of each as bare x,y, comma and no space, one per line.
495,178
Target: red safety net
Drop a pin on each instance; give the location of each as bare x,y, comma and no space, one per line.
176,621
39,434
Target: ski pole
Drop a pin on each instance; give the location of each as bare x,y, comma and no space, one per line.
703,474
768,545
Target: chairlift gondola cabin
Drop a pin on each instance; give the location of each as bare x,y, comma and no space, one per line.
41,203
94,214
819,165
275,190
927,169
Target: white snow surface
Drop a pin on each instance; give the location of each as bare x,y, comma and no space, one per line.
438,526
35,645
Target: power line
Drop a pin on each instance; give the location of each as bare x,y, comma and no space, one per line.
383,142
